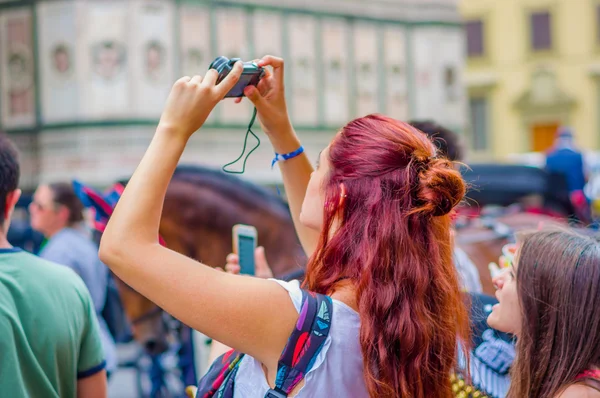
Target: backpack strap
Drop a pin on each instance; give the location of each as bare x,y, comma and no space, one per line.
219,380
304,344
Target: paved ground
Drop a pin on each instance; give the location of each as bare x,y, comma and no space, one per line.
122,383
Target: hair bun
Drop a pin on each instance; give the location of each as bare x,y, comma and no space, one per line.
441,187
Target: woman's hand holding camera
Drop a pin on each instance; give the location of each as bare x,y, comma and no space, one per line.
192,99
269,99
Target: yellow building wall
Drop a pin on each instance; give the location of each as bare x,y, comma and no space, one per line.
508,66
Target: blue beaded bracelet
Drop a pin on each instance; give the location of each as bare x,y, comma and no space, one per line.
286,156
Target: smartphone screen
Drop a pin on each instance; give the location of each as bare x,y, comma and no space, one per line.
246,245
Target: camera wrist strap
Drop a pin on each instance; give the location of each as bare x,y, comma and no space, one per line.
248,132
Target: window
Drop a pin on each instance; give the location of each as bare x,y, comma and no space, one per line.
474,31
366,80
451,84
335,75
541,31
478,108
396,83
598,24
304,75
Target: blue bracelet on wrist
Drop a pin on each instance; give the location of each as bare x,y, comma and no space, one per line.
286,156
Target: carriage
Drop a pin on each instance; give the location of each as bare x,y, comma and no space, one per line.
506,185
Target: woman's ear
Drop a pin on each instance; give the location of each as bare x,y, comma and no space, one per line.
343,195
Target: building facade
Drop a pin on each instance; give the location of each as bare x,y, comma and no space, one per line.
83,83
532,66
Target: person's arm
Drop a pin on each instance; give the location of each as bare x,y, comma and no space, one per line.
216,350
269,100
235,310
233,267
93,386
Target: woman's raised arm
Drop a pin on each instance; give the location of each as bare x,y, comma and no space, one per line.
269,100
236,310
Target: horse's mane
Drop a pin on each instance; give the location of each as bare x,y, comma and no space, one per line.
230,186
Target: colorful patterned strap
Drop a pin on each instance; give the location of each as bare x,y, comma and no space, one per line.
304,344
219,380
297,358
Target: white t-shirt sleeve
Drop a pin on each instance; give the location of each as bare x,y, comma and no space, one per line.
294,291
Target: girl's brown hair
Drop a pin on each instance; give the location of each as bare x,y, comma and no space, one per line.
558,283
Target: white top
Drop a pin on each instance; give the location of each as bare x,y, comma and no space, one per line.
338,369
469,275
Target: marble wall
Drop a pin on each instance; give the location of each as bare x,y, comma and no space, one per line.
86,81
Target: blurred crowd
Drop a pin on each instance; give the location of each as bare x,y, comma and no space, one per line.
389,304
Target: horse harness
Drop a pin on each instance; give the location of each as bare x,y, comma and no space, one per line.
496,230
147,315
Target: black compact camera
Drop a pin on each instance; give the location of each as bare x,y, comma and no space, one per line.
251,74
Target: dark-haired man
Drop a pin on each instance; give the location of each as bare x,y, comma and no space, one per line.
49,338
446,140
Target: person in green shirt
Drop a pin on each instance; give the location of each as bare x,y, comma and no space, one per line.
49,337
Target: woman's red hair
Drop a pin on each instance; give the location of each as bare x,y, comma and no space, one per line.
393,242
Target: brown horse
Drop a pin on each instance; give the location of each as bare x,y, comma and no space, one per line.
200,208
498,197
483,240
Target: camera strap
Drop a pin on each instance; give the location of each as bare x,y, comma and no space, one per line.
248,132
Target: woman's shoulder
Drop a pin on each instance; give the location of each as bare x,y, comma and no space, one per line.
295,291
579,390
340,349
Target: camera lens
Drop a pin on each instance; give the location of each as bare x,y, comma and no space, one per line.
218,63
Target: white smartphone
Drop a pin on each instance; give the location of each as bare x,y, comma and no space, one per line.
244,244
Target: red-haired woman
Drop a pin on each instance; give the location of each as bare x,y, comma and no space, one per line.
374,217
